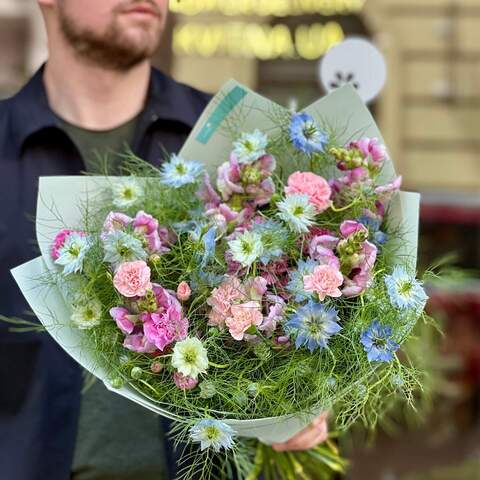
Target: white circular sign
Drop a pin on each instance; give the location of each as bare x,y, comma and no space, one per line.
356,61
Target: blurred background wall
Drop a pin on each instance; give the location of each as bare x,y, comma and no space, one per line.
429,113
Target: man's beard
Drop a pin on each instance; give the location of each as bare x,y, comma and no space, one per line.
112,50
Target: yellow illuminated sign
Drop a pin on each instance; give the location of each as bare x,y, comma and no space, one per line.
252,40
280,8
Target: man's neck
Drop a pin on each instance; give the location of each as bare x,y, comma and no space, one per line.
94,98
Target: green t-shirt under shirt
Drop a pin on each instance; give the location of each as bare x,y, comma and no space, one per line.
95,144
117,439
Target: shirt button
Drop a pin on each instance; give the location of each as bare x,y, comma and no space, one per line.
154,117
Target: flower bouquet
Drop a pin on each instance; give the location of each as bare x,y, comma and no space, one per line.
260,277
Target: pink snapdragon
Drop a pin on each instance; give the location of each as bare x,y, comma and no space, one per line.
244,316
324,280
132,279
125,322
315,186
115,221
375,153
138,343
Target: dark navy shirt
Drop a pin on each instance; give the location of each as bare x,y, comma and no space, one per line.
39,383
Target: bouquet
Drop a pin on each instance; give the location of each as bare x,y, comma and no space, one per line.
262,276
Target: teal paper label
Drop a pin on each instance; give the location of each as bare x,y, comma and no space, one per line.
231,100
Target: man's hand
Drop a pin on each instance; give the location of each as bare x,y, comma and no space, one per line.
310,437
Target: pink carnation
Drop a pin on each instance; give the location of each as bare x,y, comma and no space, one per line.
132,279
59,240
244,315
324,280
316,187
221,300
183,291
183,382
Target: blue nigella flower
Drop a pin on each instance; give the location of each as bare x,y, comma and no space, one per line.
377,342
178,172
405,291
122,247
208,241
305,134
295,285
313,324
212,434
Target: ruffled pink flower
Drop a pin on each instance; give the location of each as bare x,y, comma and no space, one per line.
315,186
132,279
115,221
349,227
183,382
321,248
385,192
138,343
324,280
251,181
147,226
183,291
374,152
244,316
255,288
222,299
167,237
125,322
207,194
361,276
276,311
59,241
167,324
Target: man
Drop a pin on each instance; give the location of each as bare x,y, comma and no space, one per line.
96,92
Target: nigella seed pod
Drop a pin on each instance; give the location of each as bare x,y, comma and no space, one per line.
207,389
136,373
116,382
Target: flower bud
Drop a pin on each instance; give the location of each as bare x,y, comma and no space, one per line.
156,367
136,373
183,291
207,389
117,382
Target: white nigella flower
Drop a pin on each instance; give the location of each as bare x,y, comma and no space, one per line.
246,248
87,315
190,357
178,172
212,434
250,146
72,252
126,192
297,212
122,247
405,290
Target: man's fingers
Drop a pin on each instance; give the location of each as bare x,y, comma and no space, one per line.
308,438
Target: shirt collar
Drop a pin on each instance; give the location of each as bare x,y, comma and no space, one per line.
166,100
